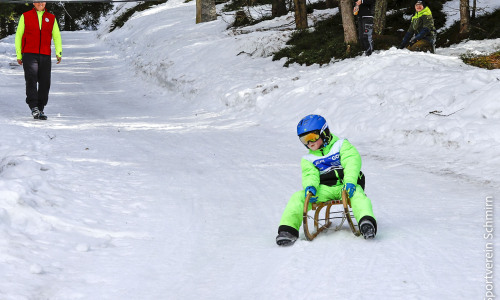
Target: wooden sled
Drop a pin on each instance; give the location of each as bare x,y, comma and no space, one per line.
338,216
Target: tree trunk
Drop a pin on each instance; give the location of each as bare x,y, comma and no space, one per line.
300,14
3,27
278,8
330,3
11,27
474,6
350,36
464,18
205,11
66,22
379,18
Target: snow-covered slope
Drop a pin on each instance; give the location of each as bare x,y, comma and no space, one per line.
168,158
396,95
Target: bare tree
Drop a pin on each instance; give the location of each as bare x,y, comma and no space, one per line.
464,18
350,35
379,18
474,6
300,14
205,11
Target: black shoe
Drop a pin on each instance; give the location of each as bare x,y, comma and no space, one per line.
35,113
42,116
367,229
285,238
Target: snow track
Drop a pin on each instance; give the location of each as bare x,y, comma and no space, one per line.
130,191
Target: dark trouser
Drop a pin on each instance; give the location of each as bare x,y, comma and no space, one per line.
37,69
365,33
432,40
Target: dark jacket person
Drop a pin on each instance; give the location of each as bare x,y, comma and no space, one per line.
421,27
365,10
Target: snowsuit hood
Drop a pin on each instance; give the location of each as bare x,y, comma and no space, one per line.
424,12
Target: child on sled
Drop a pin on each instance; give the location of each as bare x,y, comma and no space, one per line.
332,165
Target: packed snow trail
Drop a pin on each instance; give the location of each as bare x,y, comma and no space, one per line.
129,191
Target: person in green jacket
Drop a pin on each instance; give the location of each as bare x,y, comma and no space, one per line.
332,165
421,28
34,35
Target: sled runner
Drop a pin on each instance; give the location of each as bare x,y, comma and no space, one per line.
338,216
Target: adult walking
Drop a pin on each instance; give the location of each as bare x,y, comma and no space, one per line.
365,10
34,35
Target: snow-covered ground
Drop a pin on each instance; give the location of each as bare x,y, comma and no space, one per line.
170,153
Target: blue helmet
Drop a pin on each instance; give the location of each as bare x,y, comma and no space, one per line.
316,123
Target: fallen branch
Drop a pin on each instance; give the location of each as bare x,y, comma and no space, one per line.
439,113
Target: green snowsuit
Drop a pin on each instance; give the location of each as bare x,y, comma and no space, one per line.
327,170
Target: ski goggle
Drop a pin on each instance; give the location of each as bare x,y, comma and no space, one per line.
309,137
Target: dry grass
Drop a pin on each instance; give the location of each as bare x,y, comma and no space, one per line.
490,62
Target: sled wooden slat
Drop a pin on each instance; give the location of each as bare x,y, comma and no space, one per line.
317,207
347,203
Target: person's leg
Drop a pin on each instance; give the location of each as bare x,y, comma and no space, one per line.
367,38
291,219
44,73
292,215
432,43
362,207
30,66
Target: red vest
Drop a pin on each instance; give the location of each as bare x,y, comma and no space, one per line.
36,40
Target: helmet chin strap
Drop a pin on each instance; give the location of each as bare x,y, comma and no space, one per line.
326,139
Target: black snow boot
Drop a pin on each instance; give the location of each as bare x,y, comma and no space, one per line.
35,113
367,229
285,238
42,116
